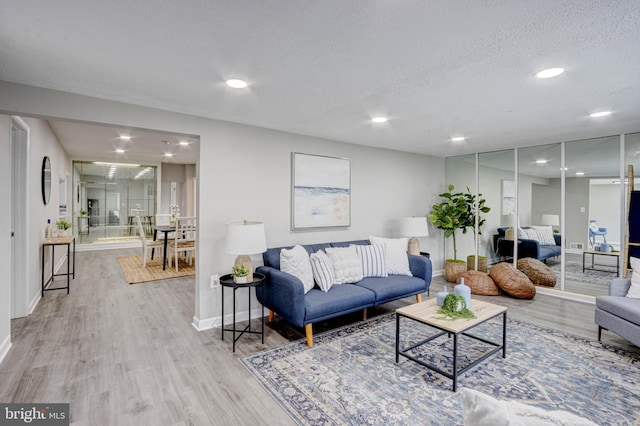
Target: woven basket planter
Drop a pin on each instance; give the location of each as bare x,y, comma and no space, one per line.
453,269
480,283
538,272
511,281
482,263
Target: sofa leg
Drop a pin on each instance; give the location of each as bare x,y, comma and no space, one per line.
308,331
271,315
599,333
418,298
364,314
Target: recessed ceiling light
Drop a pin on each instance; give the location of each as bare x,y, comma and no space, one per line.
237,84
551,72
579,173
379,120
168,154
125,138
183,143
542,161
600,114
120,151
458,139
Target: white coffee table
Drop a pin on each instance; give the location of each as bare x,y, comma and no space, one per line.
426,313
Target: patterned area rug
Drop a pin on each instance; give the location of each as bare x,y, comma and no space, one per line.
135,273
350,376
573,272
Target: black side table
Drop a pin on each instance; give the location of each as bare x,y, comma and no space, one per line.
227,281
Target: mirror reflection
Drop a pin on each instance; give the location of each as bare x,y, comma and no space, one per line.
109,197
46,180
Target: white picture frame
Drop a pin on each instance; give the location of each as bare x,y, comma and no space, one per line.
320,191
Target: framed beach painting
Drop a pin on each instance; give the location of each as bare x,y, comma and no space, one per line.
321,191
508,202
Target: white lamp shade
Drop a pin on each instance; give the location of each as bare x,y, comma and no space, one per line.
414,227
507,220
245,237
550,219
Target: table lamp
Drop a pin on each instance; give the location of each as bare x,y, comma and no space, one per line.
414,227
550,219
245,238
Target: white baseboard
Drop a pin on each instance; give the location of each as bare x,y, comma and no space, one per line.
34,302
209,323
438,273
4,347
576,297
107,246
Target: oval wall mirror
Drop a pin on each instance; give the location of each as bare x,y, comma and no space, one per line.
46,180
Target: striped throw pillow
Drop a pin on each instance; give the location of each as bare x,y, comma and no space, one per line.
322,270
373,260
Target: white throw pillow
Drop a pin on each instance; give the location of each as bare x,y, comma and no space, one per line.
395,254
322,270
634,289
296,262
372,259
545,235
528,234
483,410
346,264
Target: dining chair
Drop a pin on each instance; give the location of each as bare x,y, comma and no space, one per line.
184,241
145,243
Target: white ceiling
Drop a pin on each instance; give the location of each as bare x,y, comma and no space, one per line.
437,69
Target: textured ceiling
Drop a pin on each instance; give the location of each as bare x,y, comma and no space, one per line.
437,68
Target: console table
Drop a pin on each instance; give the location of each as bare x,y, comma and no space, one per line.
71,272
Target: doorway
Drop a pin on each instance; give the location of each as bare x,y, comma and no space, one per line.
19,229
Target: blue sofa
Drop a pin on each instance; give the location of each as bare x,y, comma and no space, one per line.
618,313
526,247
284,294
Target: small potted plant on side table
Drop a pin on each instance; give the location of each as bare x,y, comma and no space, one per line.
62,226
240,274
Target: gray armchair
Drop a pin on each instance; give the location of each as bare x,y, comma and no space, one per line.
617,313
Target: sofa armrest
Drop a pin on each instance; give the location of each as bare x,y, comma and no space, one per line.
619,287
421,267
558,239
282,293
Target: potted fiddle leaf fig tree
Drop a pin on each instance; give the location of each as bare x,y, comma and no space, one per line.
482,209
451,215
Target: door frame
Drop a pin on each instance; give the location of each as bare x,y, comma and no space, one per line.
20,146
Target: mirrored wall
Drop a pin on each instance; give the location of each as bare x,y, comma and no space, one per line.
108,196
572,194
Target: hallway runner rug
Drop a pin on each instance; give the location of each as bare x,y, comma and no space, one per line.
135,273
350,375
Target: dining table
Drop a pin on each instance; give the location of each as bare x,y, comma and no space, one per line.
166,229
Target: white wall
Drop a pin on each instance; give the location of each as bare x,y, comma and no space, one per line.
386,185
604,206
43,142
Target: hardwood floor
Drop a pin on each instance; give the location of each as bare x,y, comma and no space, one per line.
127,354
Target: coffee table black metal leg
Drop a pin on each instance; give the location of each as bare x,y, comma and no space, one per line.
249,291
504,334
397,338
455,361
262,321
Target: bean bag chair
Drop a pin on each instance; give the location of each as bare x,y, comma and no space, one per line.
512,282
